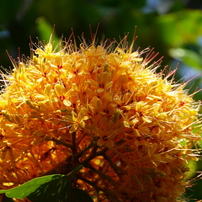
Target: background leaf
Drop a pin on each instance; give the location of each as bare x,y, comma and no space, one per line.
78,195
189,57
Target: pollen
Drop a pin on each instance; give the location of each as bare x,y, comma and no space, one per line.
103,107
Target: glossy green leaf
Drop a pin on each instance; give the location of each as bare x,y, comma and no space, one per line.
192,165
188,57
45,30
181,27
78,195
52,188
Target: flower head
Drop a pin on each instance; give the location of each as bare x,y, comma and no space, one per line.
108,110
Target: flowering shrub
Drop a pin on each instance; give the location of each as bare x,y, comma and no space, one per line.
102,107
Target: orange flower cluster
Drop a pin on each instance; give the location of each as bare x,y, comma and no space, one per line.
105,109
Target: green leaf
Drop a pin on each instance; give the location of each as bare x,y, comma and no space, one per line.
189,57
178,28
55,188
45,29
192,165
78,195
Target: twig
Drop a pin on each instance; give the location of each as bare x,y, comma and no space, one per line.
97,188
74,149
106,177
58,141
117,169
79,154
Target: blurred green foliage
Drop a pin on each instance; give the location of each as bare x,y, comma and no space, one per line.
172,27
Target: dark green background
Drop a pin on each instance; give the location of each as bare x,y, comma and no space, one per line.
172,27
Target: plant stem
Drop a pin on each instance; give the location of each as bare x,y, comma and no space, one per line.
74,149
117,169
79,154
104,177
98,189
58,141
